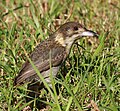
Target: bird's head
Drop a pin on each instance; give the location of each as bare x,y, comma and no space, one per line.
71,31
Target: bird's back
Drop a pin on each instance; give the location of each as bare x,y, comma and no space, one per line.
48,49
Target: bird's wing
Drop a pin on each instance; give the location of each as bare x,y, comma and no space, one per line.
42,62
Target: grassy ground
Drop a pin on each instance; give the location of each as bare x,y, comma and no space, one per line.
92,79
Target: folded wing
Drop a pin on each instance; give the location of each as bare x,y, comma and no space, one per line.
41,59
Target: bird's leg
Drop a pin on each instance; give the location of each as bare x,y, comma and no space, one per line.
34,92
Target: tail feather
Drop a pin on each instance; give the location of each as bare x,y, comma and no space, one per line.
24,76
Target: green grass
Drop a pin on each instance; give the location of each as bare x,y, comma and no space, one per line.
92,73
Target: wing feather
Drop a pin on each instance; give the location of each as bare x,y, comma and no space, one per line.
41,59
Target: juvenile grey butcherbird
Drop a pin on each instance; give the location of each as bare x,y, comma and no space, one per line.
58,45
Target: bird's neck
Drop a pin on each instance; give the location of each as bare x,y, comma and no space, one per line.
59,38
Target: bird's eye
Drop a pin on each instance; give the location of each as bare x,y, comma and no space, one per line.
75,28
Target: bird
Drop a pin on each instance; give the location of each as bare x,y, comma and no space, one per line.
54,49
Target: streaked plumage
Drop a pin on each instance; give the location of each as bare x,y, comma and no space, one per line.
41,59
56,47
59,43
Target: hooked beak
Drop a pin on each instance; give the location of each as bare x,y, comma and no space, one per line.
89,33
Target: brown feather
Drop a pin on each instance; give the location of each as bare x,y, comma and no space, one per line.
41,59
